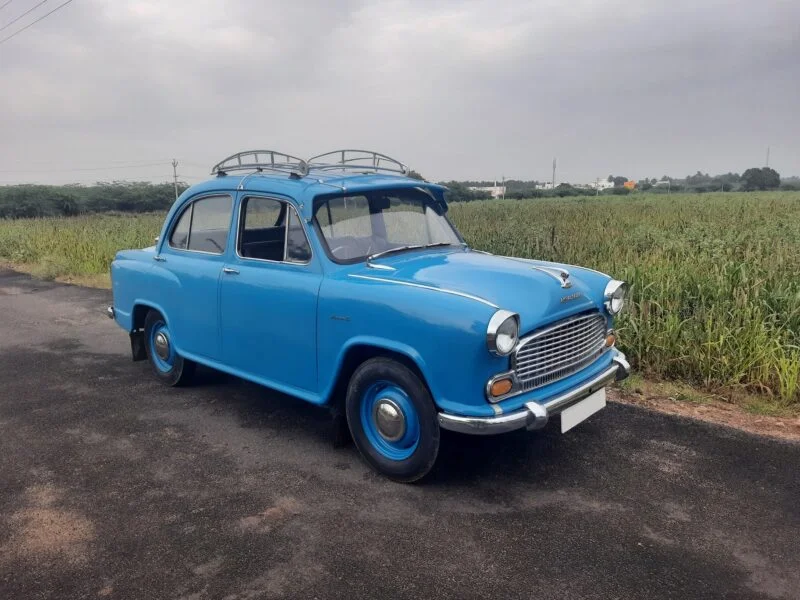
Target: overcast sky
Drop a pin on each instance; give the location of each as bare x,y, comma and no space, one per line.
456,89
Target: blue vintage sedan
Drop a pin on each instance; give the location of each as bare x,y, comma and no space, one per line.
340,281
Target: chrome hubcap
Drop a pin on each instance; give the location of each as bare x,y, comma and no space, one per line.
162,345
389,420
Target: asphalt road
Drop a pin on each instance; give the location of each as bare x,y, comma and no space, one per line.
112,486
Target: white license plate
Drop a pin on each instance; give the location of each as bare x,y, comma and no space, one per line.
582,410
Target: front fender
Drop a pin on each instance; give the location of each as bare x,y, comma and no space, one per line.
444,335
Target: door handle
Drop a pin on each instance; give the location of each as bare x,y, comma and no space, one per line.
159,258
230,271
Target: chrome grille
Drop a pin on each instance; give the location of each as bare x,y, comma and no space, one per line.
559,350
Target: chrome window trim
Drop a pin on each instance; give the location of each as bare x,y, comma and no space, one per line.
289,205
190,204
426,287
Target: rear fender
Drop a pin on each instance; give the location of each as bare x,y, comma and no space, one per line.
140,310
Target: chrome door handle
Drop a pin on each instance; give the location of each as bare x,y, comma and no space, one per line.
159,258
230,271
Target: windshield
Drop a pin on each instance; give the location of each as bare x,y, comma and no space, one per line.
362,225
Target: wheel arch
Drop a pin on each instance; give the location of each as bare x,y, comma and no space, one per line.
359,351
138,316
140,310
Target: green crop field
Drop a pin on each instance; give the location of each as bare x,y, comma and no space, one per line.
715,285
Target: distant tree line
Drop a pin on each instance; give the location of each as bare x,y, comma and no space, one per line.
20,201
757,178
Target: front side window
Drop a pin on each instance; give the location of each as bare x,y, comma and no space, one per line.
264,234
355,227
203,226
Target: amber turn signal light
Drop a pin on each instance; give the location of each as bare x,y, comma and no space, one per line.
611,339
500,387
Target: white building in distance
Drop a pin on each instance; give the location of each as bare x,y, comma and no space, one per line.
601,184
496,191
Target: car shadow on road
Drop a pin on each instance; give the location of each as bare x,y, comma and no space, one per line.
462,458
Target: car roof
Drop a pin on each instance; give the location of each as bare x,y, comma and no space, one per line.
304,189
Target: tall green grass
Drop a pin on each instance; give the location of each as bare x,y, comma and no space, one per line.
715,286
74,246
715,277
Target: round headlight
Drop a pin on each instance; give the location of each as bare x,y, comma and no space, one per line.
615,294
503,332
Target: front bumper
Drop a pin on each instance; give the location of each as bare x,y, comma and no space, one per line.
535,415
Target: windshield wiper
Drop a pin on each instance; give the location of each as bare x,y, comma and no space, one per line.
372,257
436,244
393,250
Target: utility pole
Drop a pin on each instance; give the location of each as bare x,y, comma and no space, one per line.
175,176
554,173
504,186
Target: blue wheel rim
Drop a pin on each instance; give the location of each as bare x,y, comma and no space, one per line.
162,364
404,447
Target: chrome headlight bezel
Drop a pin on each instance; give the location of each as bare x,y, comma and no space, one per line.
615,295
500,322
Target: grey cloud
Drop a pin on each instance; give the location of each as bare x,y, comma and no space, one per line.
457,89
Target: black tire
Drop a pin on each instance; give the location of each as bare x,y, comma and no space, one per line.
175,370
372,383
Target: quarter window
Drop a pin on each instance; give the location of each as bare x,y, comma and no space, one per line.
180,235
203,226
297,248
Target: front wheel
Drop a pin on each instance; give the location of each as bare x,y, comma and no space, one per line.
392,419
168,366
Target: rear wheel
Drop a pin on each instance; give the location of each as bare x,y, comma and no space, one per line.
168,366
392,419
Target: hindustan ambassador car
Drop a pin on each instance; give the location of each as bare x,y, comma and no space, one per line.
341,281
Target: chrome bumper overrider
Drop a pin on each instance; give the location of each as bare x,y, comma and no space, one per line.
110,312
535,415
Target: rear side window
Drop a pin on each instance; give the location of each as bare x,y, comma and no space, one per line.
204,226
270,230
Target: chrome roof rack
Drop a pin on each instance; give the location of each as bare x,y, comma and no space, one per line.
363,161
262,160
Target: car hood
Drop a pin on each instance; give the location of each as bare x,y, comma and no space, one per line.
513,284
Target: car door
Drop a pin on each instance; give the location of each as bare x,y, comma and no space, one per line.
194,255
268,297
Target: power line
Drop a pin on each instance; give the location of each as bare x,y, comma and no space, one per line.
6,4
30,10
60,6
131,166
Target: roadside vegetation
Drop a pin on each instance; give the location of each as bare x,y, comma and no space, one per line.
715,290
